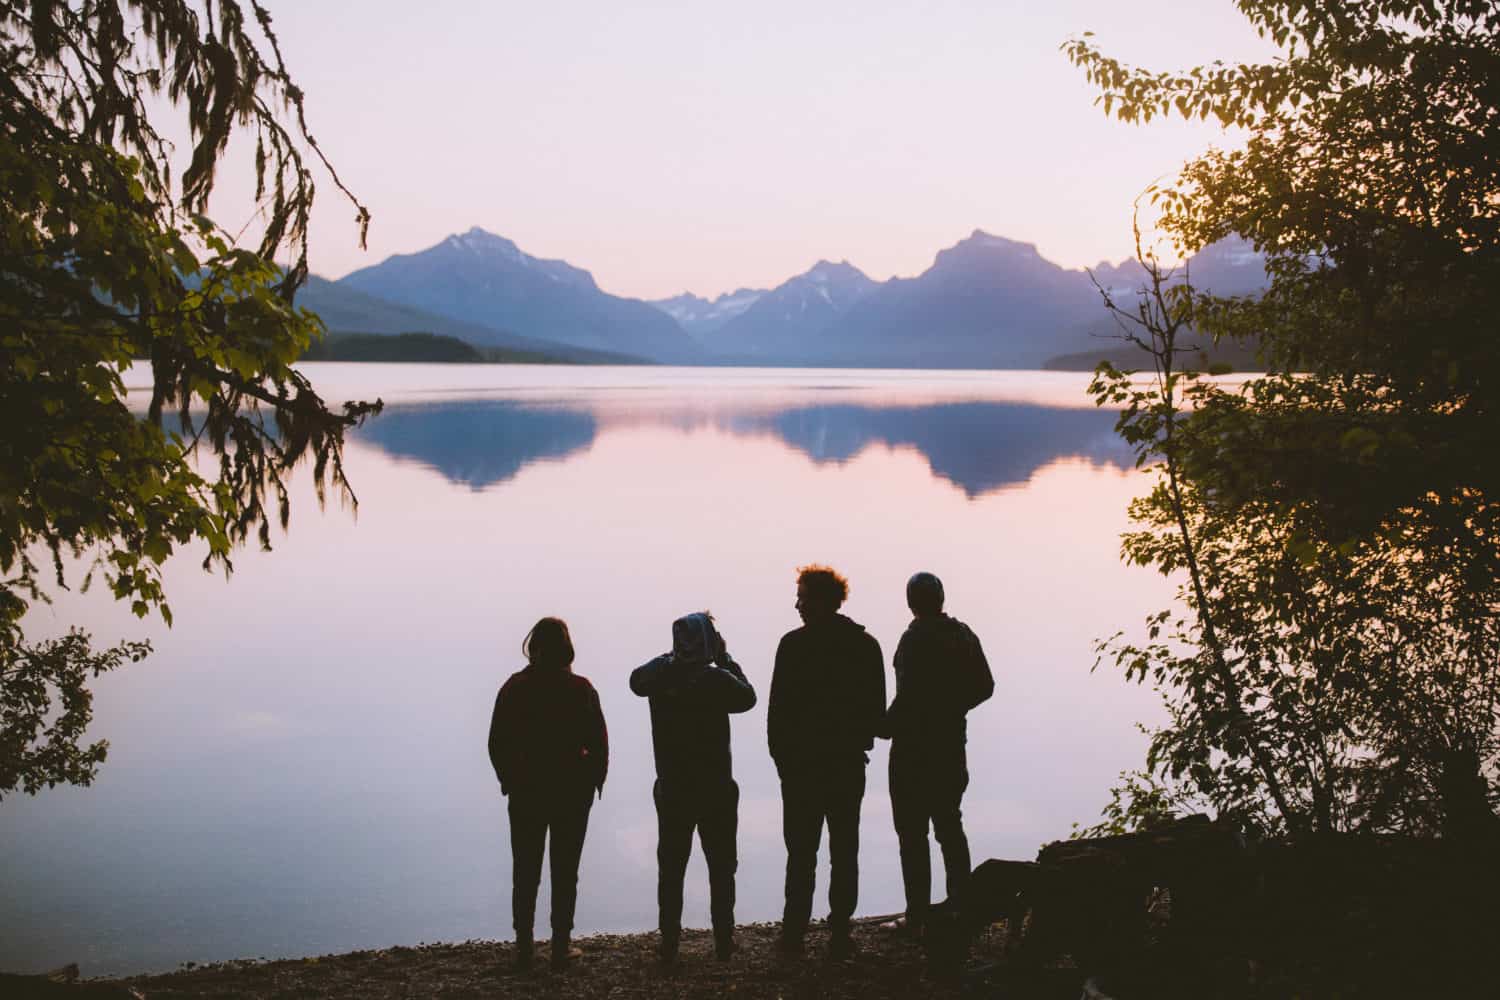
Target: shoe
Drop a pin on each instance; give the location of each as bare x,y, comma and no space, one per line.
840,946
667,949
725,948
525,950
790,943
903,927
563,954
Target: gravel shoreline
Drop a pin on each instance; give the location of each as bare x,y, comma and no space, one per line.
620,966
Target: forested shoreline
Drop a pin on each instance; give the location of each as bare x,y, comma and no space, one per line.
423,348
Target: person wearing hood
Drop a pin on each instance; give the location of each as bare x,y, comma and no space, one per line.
941,675
693,690
550,750
827,706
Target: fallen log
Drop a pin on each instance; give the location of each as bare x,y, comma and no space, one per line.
1097,898
1191,903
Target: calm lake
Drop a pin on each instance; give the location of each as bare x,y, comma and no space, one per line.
300,767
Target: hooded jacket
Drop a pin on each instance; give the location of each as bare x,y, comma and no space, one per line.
941,675
693,690
827,695
547,733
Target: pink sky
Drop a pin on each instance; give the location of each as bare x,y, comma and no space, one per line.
704,146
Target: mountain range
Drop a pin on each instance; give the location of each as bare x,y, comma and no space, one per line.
986,302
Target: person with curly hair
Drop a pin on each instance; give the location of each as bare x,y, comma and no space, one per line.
827,705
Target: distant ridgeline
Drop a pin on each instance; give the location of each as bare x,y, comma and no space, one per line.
1124,356
986,302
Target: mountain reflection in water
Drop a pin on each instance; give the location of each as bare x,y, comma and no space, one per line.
300,767
480,442
981,447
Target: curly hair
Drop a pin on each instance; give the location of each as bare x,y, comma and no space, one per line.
824,584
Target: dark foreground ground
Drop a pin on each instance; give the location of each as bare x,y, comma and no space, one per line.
885,965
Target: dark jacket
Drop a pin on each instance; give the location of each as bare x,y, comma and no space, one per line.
548,734
827,695
941,674
690,707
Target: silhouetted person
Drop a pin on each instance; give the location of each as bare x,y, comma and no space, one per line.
550,750
941,674
827,704
693,691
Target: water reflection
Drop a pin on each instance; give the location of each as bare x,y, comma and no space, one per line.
481,442
981,447
300,766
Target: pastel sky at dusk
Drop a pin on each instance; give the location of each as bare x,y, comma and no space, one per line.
704,146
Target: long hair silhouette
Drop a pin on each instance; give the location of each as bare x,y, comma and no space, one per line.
548,644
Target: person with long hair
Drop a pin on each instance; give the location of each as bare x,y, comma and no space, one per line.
550,749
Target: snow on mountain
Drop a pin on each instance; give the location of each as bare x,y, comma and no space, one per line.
699,316
827,288
780,322
483,243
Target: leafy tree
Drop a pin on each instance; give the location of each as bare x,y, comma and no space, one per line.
1338,660
106,262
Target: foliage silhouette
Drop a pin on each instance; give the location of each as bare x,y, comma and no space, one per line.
107,260
1335,517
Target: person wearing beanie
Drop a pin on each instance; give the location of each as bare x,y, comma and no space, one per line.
941,675
827,705
692,691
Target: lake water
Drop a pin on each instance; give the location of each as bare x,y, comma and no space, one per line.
300,767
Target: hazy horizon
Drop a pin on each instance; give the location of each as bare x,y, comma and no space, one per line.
740,287
697,148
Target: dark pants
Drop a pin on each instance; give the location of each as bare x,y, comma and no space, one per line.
928,788
532,816
811,796
713,810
